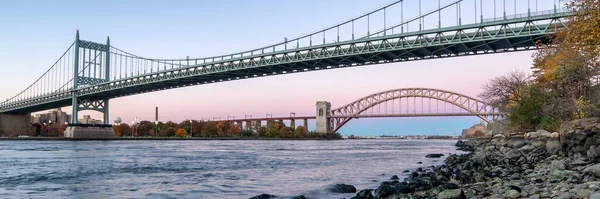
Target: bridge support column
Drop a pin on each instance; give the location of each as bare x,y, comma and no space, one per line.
306,124
17,124
323,113
248,125
293,123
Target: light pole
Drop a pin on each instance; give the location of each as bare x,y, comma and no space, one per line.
191,128
156,132
132,125
48,129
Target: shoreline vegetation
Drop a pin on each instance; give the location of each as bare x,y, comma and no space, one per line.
520,157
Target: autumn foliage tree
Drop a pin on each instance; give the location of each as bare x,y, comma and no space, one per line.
181,133
565,73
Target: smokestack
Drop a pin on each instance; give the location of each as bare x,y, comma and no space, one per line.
156,114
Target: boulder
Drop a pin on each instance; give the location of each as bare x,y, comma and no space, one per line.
342,188
364,194
593,152
404,189
451,194
594,169
299,197
516,143
553,146
543,134
595,196
434,155
532,135
394,177
557,165
511,194
384,191
451,186
264,196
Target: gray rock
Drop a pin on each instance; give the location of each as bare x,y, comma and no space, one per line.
342,188
553,146
534,196
516,143
583,193
532,135
451,194
595,196
594,169
512,194
593,152
565,196
264,196
364,194
557,165
543,134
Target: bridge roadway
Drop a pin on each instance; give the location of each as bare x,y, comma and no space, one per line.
357,117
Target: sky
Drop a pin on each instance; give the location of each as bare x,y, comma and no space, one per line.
33,34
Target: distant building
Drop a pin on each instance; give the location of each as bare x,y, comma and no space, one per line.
477,130
89,120
54,117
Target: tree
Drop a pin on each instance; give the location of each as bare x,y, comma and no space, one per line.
234,129
197,128
168,129
145,128
209,129
181,133
301,131
62,128
504,90
583,28
123,130
271,132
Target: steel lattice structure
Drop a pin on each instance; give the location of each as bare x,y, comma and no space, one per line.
94,73
358,108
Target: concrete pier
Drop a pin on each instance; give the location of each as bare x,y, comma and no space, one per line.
293,123
89,132
323,114
15,124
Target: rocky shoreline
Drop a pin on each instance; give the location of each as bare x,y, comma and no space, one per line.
532,165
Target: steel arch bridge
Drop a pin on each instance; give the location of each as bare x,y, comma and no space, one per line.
359,108
89,74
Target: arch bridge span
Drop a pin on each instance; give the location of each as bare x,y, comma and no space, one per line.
411,102
403,102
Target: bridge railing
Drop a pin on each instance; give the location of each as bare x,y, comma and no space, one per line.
531,14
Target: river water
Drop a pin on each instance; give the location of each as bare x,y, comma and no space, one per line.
205,169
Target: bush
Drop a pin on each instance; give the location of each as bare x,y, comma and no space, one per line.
549,123
181,133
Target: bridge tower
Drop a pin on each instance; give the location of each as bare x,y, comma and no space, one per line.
91,66
323,113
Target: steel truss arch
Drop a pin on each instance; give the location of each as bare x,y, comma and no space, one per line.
475,107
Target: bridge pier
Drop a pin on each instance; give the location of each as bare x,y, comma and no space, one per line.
323,113
248,125
306,124
16,124
293,123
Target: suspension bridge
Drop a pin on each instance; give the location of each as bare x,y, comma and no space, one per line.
89,74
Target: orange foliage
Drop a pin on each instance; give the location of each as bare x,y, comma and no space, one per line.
181,133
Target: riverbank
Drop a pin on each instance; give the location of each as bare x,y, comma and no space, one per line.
151,138
532,165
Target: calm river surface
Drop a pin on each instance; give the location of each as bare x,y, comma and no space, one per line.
204,169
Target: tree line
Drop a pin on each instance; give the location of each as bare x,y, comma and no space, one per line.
564,84
272,129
